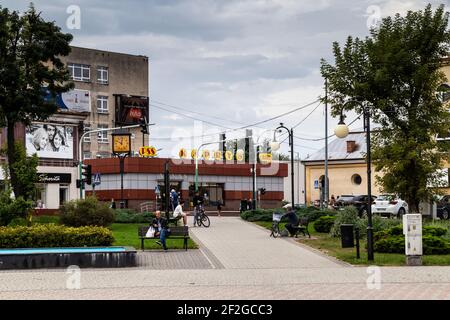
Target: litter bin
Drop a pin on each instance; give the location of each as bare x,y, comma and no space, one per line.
347,236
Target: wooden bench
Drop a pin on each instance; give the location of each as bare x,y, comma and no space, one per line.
175,233
174,221
302,227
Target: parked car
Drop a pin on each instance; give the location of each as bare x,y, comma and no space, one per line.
443,207
388,205
358,201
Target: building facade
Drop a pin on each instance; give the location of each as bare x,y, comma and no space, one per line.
226,182
347,169
111,89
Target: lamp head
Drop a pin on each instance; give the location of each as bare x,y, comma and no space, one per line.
341,130
274,145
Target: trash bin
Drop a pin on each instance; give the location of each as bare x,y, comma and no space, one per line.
347,236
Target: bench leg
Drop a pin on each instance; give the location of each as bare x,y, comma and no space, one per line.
185,244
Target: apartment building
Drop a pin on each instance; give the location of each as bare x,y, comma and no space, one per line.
111,90
116,84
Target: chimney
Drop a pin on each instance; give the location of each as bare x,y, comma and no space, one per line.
351,146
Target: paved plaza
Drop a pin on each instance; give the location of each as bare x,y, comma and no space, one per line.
236,260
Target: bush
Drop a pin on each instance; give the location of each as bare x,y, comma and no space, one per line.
11,209
311,213
349,215
324,224
34,220
393,241
86,212
51,235
131,216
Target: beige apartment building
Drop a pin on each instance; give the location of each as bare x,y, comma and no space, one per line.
107,77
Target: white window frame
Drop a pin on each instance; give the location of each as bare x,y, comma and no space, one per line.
103,100
102,135
104,75
82,67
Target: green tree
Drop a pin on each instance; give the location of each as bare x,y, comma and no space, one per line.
29,61
395,72
27,177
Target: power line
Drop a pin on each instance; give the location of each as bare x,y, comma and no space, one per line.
240,128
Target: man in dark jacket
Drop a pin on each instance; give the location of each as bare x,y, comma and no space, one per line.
293,220
160,225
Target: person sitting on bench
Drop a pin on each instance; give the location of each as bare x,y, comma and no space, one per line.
292,218
160,225
178,212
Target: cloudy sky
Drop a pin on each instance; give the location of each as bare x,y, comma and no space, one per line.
227,63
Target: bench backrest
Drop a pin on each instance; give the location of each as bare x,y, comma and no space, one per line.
303,221
174,231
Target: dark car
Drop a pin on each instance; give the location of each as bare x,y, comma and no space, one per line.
358,201
443,207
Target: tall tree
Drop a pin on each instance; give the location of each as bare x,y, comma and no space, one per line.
395,72
29,61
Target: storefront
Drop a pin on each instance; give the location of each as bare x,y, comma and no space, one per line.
225,182
55,188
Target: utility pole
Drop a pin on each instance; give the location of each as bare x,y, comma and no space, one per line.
326,196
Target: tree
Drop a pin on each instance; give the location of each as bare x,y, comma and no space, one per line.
29,62
395,73
27,177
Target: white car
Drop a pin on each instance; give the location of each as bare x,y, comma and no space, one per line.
389,205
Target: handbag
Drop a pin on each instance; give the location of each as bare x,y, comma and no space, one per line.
150,232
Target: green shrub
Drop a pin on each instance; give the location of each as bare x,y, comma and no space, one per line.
393,241
324,224
86,212
131,216
349,215
311,213
51,235
13,208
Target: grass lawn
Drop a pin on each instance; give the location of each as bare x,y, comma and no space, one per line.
332,246
125,234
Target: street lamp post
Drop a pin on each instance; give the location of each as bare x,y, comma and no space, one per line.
291,144
341,131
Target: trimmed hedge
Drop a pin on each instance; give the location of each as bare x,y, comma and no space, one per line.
393,240
51,235
311,213
132,216
324,224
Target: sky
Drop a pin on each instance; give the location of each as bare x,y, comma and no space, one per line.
225,64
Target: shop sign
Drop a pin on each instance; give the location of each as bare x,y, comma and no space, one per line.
54,177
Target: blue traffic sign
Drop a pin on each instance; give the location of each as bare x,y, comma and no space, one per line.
97,179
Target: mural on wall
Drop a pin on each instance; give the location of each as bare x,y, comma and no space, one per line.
50,141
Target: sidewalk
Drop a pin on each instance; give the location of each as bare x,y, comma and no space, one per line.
238,244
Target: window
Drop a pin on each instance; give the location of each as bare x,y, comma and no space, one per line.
79,72
102,75
102,104
211,192
356,179
87,127
102,136
87,155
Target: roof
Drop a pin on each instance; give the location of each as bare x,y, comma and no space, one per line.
337,149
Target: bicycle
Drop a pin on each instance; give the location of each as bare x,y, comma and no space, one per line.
201,217
276,217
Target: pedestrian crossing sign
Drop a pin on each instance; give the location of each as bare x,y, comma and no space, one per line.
97,181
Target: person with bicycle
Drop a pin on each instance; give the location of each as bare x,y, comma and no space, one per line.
293,220
198,206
